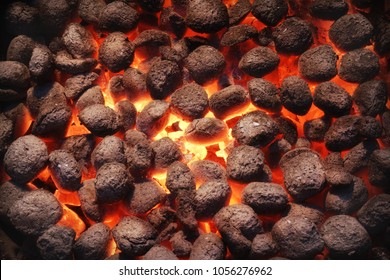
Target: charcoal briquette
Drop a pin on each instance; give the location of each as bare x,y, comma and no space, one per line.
65,170
134,81
64,62
359,66
172,21
145,195
270,12
288,128
99,119
118,16
180,178
259,61
21,18
10,192
343,134
159,252
127,114
379,168
56,243
54,15
381,37
315,129
385,118
76,85
153,117
328,10
264,95
238,34
152,38
310,212
186,212
375,214
151,6
263,246
90,97
163,78
206,131
264,37
92,243
370,128
295,95
238,11
110,149
276,150
14,80
207,170
338,176
20,49
206,16
165,152
180,245
208,246
80,146
78,41
6,134
228,101
88,201
116,86
138,151
41,63
161,217
358,157
371,97
90,10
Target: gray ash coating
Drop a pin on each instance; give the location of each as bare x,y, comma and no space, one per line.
343,134
56,243
270,12
379,168
112,182
255,129
92,243
310,212
297,238
359,156
76,85
118,16
110,149
371,97
41,64
88,201
90,97
206,16
145,195
295,95
80,146
159,252
65,170
20,49
208,246
100,120
328,10
90,10
228,101
10,192
238,11
152,38
133,236
345,237
375,214
359,66
263,246
165,152
25,158
35,212
238,34
206,131
238,225
138,151
351,32
14,80
163,78
190,102
153,117
315,129
207,170
370,128
134,81
259,61
264,95
78,41
179,178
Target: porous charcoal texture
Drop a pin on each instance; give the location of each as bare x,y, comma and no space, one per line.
310,212
6,134
359,156
14,81
127,114
89,203
138,151
151,6
65,170
100,120
379,168
343,134
315,129
21,18
207,170
76,85
288,128
295,95
370,128
172,21
159,252
206,131
371,97
152,38
80,146
375,214
263,246
134,81
145,195
10,192
264,95
206,16
238,34
20,49
153,117
259,62
228,101
92,243
90,97
181,247
110,149
163,78
165,152
359,66
332,99
54,15
238,11
179,178
90,10
56,243
208,246
118,16
269,12
328,10
78,41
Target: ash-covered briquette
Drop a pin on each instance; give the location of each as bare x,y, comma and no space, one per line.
152,38
78,41
332,99
112,182
345,238
338,177
208,246
133,236
6,134
371,97
161,217
88,201
100,120
303,161
41,64
116,52
263,246
315,129
310,212
190,102
25,158
35,212
181,247
127,114
318,64
358,157
90,97
328,10
351,32
145,195
245,163
265,198
151,6
375,214
138,151
172,21
343,134
159,252
359,66
76,85
206,16
134,81
346,199
110,149
238,34
20,49
206,131
185,201
65,170
118,16
379,168
153,117
54,15
288,128
205,63
180,178
90,10
270,12
297,238
92,243
56,243
14,81
165,152
238,11
20,18
210,197
292,36
10,192
207,170
264,95
228,101
370,128
238,225
163,78
177,53
80,146
259,61
64,62
295,95
116,87
255,129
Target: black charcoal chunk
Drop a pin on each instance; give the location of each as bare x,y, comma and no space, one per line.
65,170
118,16
255,129
20,49
358,157
265,198
288,128
298,162
264,95
379,168
205,63
207,170
54,15
381,37
292,36
346,199
270,12
133,236
371,97
206,16
208,246
369,127
25,158
77,84
159,252
163,78
179,178
276,150
153,117
134,81
90,97
238,34
20,18
152,38
89,203
343,134
92,243
375,214
245,163
180,245
35,212
100,120
64,62
259,62
359,66
10,192
127,114
333,160
263,246
165,152
151,6
116,52
14,81
56,243
238,11
337,175
328,10
345,238
138,151
186,212
295,95
80,146
78,41
238,225
315,129
41,63
310,212
228,101
264,37
172,21
351,32
318,64
206,131
90,10
332,99
145,195
115,86
161,217
297,238
177,53
110,149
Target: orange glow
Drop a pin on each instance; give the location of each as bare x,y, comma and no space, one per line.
68,198
72,220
